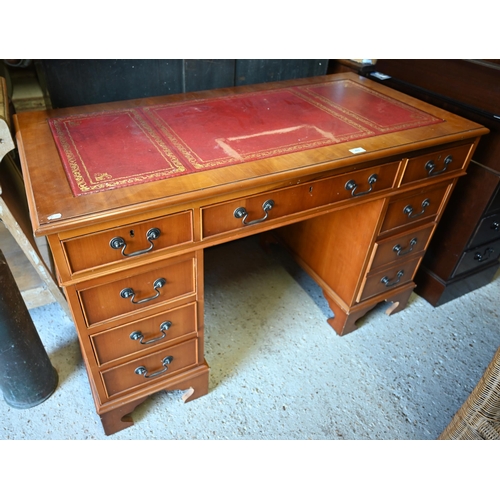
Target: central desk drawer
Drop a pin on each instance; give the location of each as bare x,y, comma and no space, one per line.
125,242
148,333
133,291
230,216
151,368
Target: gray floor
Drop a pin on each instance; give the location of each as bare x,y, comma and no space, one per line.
279,372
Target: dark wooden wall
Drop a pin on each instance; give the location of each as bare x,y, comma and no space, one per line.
73,82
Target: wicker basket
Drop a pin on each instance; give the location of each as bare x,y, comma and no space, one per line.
479,416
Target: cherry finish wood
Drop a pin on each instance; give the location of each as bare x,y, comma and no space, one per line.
89,252
380,281
413,208
144,335
348,235
344,320
124,377
292,201
119,418
396,248
101,301
436,162
341,228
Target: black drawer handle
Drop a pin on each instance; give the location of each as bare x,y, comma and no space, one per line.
241,213
141,370
118,242
128,293
140,337
387,281
430,166
485,255
352,186
398,249
408,210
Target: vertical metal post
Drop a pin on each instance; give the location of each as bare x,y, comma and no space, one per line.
27,377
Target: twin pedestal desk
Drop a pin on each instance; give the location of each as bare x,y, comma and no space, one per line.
352,177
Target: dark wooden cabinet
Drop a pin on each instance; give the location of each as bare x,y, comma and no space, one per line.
464,252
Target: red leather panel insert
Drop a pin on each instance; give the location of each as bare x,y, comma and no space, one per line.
107,150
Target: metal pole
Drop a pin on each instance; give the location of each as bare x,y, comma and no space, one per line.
27,377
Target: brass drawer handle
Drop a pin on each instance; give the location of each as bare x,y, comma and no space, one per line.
352,186
430,166
398,249
141,370
409,209
387,282
118,242
129,292
484,256
140,337
241,213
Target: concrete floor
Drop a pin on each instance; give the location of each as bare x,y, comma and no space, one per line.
279,372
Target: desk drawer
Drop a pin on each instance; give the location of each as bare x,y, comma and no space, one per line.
401,247
487,230
151,368
477,257
388,279
436,164
230,216
146,334
421,205
134,290
126,242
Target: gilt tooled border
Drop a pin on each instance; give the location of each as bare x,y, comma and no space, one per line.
198,163
77,164
69,156
421,118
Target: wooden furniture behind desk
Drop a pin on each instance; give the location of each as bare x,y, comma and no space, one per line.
465,251
359,222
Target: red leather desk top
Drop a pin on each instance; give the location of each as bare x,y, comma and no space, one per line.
108,150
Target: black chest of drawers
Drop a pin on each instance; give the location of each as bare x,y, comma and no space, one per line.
465,250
